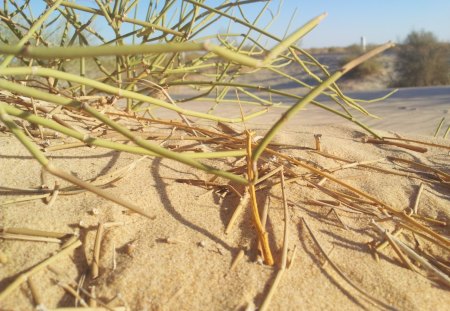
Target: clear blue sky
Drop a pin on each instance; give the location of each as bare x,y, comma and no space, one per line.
377,20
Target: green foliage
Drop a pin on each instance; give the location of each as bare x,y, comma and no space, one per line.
422,61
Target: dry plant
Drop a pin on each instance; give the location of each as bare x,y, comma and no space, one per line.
60,77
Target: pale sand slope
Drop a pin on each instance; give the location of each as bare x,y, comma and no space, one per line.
415,111
193,274
409,110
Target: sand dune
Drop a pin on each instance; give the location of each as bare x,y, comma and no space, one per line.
181,260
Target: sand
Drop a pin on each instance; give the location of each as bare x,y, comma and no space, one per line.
181,259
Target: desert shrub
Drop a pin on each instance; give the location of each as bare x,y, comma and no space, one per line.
422,60
129,73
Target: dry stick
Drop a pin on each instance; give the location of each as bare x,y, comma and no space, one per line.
35,293
442,264
322,181
177,124
242,203
262,234
166,94
317,139
354,164
92,299
27,131
383,142
44,183
339,218
268,298
59,173
282,269
444,278
114,260
418,142
65,146
376,168
10,236
366,295
48,113
79,285
385,243
268,175
329,254
416,202
40,157
286,222
237,260
294,253
333,204
89,309
400,254
122,129
41,132
421,234
340,198
54,195
264,215
70,240
84,291
431,220
329,202
32,232
420,165
373,251
97,246
100,181
24,276
96,257
73,292
442,240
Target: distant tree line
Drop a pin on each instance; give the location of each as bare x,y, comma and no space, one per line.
422,61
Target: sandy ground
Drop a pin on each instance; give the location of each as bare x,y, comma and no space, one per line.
181,260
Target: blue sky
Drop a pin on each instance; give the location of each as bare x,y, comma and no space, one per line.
377,20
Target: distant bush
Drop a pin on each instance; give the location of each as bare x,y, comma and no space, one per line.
422,61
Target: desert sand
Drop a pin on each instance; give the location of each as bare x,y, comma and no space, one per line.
182,259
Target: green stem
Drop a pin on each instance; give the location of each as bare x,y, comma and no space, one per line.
22,137
292,111
27,91
439,127
160,150
42,159
312,95
124,18
294,37
278,92
127,133
30,33
90,140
